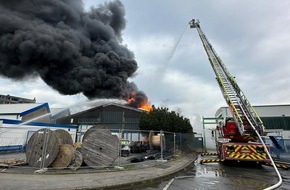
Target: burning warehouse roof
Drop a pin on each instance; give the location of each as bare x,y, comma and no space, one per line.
71,50
92,104
113,115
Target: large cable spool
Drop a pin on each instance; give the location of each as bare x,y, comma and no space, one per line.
64,157
155,140
99,147
42,148
94,127
63,136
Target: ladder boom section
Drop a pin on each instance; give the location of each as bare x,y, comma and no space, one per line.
243,113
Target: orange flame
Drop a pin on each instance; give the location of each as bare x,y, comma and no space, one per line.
144,105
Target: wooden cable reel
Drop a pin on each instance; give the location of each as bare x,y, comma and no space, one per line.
63,136
66,152
54,148
99,148
156,140
42,148
95,127
50,148
64,156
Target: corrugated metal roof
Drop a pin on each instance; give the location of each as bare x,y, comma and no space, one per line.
105,104
16,108
87,105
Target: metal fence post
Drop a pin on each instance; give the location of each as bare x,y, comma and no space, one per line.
119,148
45,142
203,132
161,143
180,139
174,143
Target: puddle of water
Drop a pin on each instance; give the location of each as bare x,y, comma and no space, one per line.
210,172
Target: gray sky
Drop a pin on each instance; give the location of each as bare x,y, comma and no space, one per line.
251,37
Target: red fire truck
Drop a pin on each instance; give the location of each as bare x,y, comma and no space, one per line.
238,137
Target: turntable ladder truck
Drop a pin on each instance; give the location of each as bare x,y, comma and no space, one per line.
237,136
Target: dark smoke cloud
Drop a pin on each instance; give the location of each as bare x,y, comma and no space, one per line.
73,51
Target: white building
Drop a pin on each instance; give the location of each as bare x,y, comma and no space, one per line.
19,121
276,118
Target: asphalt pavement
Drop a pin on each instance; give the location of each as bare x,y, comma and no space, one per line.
117,178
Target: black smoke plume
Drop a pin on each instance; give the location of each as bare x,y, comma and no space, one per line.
72,50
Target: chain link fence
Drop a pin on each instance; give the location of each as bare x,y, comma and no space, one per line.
280,152
100,149
61,150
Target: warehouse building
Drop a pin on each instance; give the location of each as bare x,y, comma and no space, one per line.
110,115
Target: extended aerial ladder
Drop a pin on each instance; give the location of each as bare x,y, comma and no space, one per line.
244,115
239,137
242,144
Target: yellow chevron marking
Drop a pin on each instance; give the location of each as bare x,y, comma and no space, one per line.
245,156
208,154
285,167
257,157
253,148
253,157
246,152
213,160
261,157
238,147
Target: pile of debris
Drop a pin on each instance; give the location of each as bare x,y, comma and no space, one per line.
12,162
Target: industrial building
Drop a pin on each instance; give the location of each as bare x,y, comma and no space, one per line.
13,111
276,118
111,115
7,99
34,116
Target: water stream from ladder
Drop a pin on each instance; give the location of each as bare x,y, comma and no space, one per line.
175,46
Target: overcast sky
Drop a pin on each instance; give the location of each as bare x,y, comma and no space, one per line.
251,37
